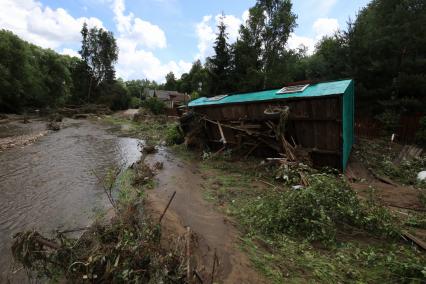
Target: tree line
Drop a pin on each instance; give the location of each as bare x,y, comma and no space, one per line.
33,77
383,49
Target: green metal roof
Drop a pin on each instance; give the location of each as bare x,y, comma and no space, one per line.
315,90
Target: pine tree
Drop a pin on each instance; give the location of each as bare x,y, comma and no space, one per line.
220,63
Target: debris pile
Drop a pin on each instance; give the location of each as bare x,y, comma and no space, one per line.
243,136
143,173
19,141
84,111
128,250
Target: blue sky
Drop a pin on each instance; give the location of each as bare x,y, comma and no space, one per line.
158,36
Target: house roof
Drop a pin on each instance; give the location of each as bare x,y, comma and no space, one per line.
314,90
168,95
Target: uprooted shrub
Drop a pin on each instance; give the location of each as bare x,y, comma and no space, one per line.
316,212
128,250
174,135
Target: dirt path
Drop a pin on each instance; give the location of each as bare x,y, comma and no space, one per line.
212,229
392,195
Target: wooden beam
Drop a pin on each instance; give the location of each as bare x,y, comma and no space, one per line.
221,133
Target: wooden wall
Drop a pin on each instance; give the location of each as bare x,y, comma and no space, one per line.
315,124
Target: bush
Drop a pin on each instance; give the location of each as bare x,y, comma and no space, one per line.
174,135
421,133
115,95
316,212
135,102
155,106
389,119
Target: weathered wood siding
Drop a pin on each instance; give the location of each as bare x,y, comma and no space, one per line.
315,123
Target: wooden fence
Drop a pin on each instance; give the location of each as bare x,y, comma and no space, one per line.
371,128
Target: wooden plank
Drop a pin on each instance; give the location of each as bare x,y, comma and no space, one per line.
416,240
223,138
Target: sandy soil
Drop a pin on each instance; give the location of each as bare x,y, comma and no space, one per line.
126,114
392,195
211,229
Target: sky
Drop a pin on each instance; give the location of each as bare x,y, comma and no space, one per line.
158,36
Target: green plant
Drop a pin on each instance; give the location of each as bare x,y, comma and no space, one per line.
316,212
135,102
421,133
389,119
174,135
155,105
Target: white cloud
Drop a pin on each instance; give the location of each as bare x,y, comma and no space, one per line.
135,34
70,52
246,15
206,31
325,27
295,41
138,63
40,24
130,27
321,27
232,24
205,36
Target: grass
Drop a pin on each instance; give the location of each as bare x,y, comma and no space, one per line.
288,254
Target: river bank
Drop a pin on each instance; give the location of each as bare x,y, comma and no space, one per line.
49,185
259,227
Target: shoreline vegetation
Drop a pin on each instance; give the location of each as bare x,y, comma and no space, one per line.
295,223
323,232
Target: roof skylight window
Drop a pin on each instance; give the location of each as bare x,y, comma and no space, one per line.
293,89
216,98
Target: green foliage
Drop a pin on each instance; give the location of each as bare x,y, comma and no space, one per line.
390,120
170,82
174,135
137,87
240,187
99,51
135,102
31,76
194,95
421,133
316,212
155,105
115,95
220,63
378,156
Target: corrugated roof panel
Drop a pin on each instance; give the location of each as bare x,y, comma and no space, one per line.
317,90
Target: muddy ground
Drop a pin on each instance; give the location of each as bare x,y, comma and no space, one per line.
212,230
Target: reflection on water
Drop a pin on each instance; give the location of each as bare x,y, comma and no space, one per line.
50,184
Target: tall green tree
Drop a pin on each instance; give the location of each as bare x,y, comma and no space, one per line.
170,84
220,63
279,22
388,52
247,53
99,52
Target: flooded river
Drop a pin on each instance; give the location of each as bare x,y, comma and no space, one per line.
50,184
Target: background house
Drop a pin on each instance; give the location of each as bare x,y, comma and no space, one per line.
172,99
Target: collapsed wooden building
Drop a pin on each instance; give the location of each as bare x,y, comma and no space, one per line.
315,117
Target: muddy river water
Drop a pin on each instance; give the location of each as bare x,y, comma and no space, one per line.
50,184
